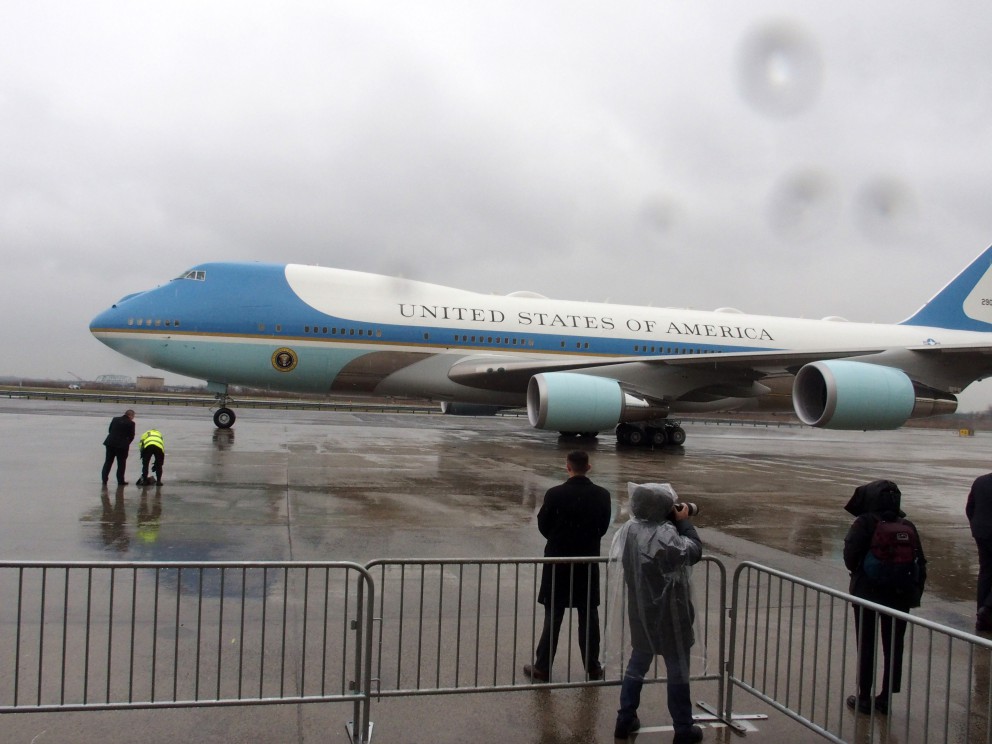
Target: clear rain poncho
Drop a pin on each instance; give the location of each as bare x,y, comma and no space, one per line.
650,592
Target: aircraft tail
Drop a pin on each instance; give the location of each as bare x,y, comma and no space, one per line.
965,303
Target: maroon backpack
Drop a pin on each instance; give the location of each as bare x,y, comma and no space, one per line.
893,558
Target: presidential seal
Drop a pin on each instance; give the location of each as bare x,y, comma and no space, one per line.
284,360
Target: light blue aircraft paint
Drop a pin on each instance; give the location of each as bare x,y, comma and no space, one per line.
578,367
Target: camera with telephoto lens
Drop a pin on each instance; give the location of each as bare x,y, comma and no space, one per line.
693,509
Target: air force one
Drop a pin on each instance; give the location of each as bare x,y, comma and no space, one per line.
579,367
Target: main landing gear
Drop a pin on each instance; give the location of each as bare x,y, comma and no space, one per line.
653,435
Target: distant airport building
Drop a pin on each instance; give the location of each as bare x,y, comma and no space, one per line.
115,380
149,384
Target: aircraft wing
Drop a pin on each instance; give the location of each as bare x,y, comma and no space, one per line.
511,374
947,367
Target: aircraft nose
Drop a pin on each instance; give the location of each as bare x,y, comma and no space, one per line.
106,319
114,318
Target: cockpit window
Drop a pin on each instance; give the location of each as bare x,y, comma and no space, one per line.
196,274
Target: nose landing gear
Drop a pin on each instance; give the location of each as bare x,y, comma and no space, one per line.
223,417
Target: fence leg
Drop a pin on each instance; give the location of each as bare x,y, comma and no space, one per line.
353,733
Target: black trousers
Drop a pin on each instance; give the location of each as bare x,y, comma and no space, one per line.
588,637
893,634
984,571
114,453
146,456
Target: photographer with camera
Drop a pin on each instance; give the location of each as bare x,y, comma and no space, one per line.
655,550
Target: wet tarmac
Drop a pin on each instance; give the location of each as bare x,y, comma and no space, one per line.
302,485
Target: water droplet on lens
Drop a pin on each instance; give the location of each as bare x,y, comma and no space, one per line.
780,69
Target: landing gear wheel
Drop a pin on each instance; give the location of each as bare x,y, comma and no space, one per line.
635,436
676,436
658,437
224,418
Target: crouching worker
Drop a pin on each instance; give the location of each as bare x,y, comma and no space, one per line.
151,445
655,549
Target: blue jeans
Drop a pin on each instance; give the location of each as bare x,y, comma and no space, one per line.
679,702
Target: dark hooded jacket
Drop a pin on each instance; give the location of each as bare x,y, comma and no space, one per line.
878,500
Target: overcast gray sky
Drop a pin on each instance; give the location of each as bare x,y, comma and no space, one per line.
786,158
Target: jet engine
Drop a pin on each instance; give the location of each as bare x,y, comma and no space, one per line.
566,401
843,394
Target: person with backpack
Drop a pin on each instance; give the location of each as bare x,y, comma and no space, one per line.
978,509
883,552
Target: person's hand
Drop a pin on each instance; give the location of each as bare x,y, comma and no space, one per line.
681,511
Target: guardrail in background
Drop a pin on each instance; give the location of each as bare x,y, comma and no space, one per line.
210,401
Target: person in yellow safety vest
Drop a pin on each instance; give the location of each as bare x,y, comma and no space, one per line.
151,445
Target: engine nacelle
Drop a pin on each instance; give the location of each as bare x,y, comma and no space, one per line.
842,394
566,401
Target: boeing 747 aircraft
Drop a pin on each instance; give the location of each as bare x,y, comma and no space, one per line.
579,367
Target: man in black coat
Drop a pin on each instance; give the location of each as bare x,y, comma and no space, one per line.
119,438
574,517
979,511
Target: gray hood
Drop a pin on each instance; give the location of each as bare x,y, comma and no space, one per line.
651,502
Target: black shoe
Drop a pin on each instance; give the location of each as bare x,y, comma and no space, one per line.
860,704
596,672
538,675
882,704
121,483
158,482
625,727
688,736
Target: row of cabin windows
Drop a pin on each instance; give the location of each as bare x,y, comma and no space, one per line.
507,341
157,322
672,350
343,331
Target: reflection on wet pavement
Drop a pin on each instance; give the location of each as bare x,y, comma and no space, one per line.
329,485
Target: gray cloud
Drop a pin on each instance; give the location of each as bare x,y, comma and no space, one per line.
782,159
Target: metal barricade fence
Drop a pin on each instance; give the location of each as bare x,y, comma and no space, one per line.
793,645
111,636
470,625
